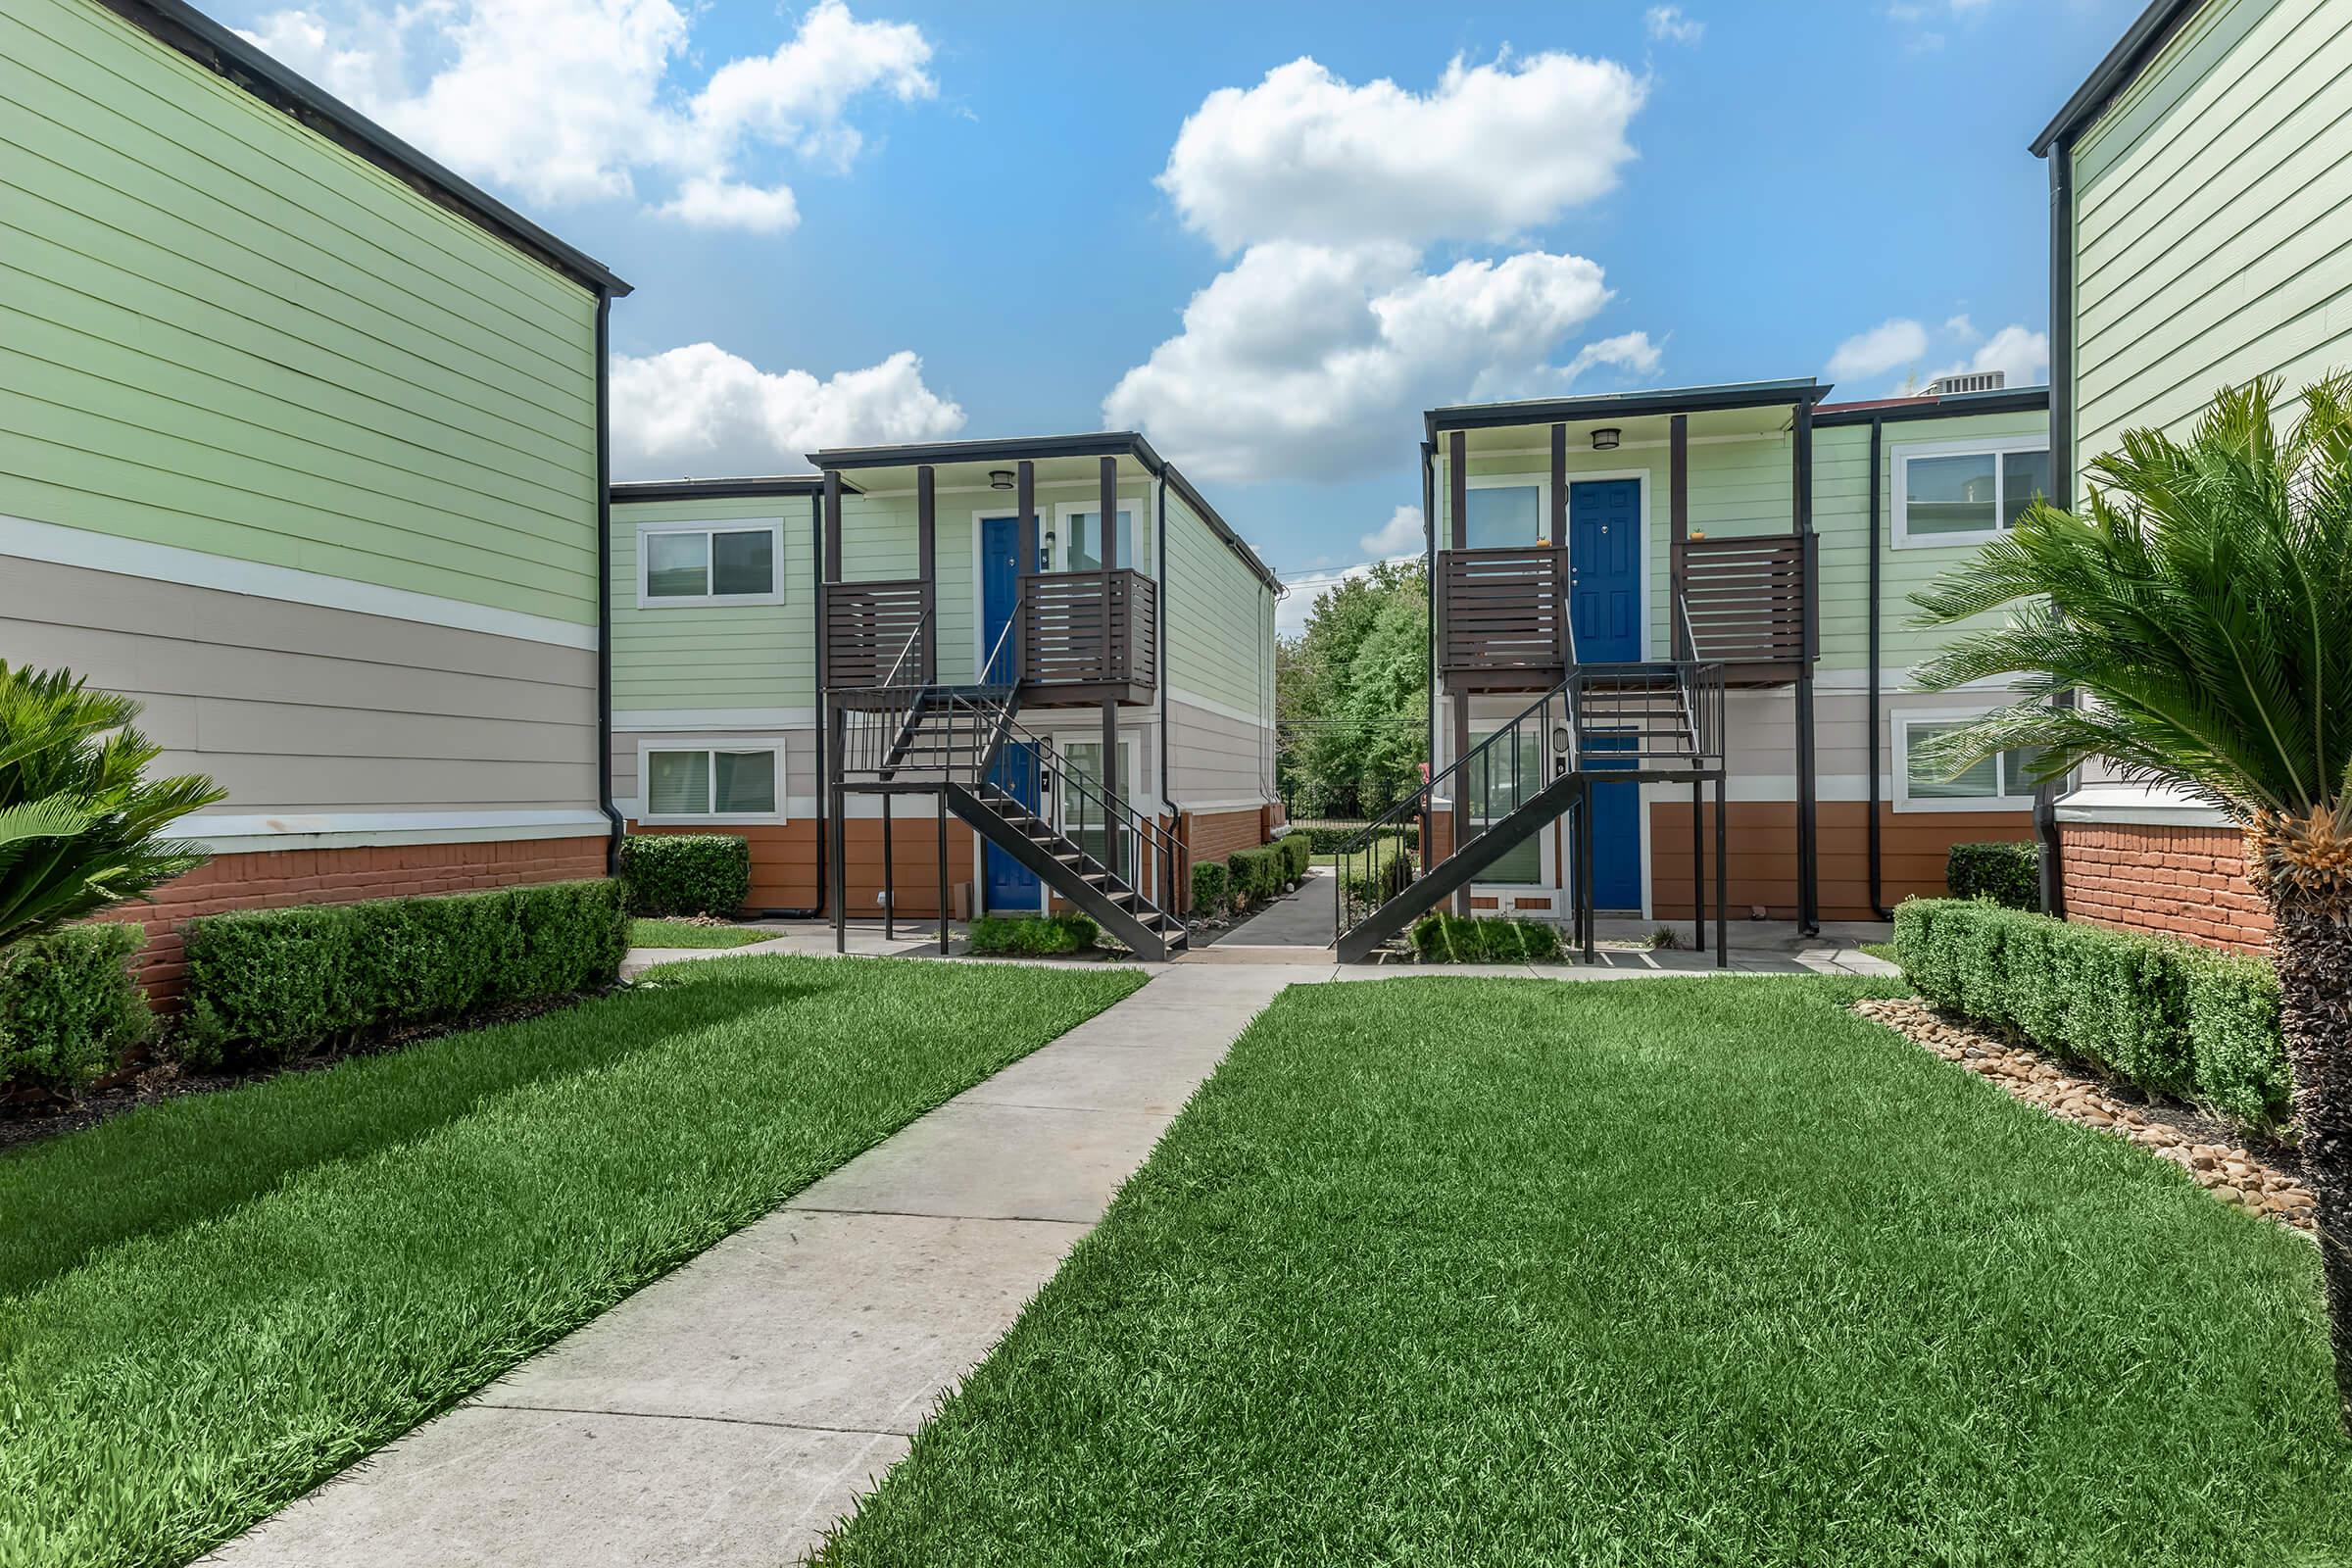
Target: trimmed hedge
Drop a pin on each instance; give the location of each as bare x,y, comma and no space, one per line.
1330,838
2173,1019
686,873
69,1007
2008,874
1297,853
266,986
1212,889
1443,937
1257,874
1032,934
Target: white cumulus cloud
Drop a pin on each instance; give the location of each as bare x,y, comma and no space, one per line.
1886,346
2021,354
1491,151
569,101
700,411
1304,362
1401,535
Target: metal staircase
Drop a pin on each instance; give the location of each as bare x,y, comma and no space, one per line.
1068,828
1605,724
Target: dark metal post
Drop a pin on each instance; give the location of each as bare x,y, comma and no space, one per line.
943,873
1109,472
890,881
927,562
836,721
1723,957
1025,495
1808,827
840,892
1457,498
1584,868
1699,866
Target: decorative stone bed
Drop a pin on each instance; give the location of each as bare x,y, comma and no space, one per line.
2201,1147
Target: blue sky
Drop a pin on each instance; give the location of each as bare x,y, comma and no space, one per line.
885,221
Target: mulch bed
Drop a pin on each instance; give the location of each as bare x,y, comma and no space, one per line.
154,1074
2266,1182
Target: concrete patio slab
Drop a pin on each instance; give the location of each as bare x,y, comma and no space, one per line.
845,1321
1137,1077
536,1489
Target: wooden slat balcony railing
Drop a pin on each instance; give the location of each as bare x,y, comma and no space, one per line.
1750,604
1505,611
868,626
1090,629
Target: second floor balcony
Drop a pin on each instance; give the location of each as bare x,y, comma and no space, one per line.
1074,638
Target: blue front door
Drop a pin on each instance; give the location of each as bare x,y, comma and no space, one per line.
1000,592
1011,884
1604,603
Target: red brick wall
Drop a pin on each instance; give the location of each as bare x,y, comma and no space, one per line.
2188,881
273,880
1216,834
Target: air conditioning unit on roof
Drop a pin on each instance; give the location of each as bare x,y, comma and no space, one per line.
1943,386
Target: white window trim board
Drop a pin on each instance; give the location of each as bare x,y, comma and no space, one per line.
774,527
774,743
1993,446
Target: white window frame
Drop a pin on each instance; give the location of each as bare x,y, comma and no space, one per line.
647,747
1065,514
647,599
1901,723
1994,446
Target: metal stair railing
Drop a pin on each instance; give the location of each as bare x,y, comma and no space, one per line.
1394,850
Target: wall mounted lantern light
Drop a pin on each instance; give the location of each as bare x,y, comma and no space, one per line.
1000,478
1605,438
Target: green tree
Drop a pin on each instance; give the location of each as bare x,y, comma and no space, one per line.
79,828
1352,692
2202,604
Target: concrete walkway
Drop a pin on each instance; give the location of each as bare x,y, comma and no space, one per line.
728,1413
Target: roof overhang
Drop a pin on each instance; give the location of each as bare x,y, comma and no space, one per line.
1953,405
781,484
202,40
2122,65
1123,445
1626,405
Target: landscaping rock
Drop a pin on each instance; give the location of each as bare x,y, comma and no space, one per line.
2238,1177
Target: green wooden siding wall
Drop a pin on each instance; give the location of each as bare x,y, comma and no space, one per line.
1220,619
221,331
1743,487
715,656
2213,220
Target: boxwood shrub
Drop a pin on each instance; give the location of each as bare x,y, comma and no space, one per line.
1257,874
1376,887
1443,937
68,1008
1212,888
1033,935
266,986
1298,854
686,873
2173,1019
2008,874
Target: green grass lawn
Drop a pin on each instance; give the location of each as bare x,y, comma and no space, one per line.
686,934
1677,1272
208,1305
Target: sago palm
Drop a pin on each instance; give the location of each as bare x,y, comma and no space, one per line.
2201,606
79,827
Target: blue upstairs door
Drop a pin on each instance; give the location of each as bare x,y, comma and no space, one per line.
1011,884
1000,593
1604,603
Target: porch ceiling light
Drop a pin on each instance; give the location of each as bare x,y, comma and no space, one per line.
1000,478
1605,438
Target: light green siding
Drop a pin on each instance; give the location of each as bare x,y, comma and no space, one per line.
1744,486
1841,512
1220,619
667,657
221,331
2213,220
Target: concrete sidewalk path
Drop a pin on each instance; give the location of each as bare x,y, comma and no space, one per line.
728,1413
